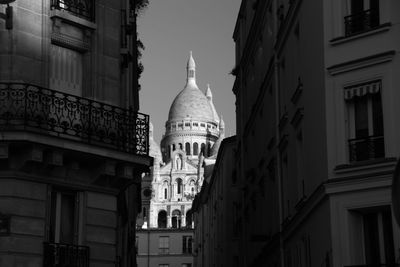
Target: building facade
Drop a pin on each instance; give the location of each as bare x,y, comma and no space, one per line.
316,132
216,236
73,145
193,131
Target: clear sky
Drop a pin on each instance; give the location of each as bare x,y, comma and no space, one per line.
170,29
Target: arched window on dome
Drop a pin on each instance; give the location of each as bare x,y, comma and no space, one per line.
195,149
187,148
203,148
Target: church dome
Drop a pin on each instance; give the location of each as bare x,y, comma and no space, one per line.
191,103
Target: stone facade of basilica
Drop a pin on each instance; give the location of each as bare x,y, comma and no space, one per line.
193,130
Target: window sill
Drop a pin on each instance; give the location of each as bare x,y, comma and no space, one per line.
343,39
363,165
70,18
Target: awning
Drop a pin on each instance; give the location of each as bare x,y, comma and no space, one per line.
362,89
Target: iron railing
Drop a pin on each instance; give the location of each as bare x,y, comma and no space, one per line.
26,107
361,22
374,265
371,147
62,255
81,8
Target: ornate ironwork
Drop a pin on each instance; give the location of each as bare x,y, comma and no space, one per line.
60,255
80,8
32,108
371,147
361,22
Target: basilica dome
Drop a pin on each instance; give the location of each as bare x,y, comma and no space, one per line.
191,103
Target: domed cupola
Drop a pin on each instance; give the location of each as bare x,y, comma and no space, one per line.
191,103
193,122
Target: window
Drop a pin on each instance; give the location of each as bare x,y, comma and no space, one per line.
176,219
189,218
163,245
187,244
373,243
80,8
363,16
179,186
64,217
162,219
165,193
187,148
195,149
203,148
365,121
66,68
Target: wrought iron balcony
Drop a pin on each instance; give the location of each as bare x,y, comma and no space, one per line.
26,107
371,147
60,255
80,8
375,265
360,22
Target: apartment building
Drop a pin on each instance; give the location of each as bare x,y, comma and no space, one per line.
73,145
317,132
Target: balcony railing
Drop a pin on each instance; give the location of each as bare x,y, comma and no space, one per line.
80,8
375,265
25,107
60,255
371,147
360,22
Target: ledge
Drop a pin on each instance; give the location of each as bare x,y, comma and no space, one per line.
343,39
361,62
363,165
72,19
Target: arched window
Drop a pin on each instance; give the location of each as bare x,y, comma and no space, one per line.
173,147
203,148
162,219
187,148
180,146
179,186
176,219
189,219
165,193
195,149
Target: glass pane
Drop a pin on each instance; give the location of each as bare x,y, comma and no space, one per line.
357,6
361,117
371,236
377,114
67,218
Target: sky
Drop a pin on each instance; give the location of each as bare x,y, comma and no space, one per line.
169,30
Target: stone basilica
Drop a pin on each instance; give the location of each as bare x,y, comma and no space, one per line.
193,132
